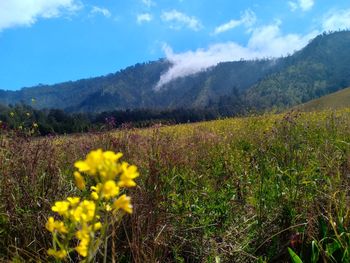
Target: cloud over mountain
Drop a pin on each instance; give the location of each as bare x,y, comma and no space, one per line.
264,42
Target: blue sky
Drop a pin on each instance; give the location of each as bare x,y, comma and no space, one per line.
51,41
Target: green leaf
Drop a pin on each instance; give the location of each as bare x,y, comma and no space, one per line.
315,252
332,247
295,258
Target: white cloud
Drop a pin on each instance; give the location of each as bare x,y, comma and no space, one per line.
337,19
248,18
293,6
148,3
27,12
266,41
145,17
180,20
99,10
304,5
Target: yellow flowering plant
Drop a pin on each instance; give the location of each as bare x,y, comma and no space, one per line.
84,222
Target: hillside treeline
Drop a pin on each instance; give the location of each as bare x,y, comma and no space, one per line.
56,121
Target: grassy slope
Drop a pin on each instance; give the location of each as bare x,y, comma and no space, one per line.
336,100
234,189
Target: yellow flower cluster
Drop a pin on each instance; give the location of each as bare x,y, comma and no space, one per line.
53,225
83,219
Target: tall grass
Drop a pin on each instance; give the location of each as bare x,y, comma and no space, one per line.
233,190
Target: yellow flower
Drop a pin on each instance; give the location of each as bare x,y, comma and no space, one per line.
53,225
60,227
73,200
123,202
110,168
94,196
60,254
61,207
50,224
93,160
83,234
100,163
109,189
111,156
12,114
79,180
75,214
85,211
97,226
96,188
82,248
129,173
83,216
95,191
82,166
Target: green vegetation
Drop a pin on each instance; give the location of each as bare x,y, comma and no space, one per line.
253,189
54,121
322,67
336,100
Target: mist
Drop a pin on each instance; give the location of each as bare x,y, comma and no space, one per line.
264,42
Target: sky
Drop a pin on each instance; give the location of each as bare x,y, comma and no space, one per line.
52,41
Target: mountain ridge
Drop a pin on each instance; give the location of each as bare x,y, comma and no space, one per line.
320,68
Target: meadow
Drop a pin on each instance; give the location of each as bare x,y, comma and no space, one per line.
254,189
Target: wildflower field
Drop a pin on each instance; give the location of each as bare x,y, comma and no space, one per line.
270,188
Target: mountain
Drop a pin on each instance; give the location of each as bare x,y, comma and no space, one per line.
134,88
92,94
336,100
320,68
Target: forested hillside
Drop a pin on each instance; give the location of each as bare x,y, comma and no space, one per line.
320,68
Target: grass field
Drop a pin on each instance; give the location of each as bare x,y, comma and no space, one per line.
233,190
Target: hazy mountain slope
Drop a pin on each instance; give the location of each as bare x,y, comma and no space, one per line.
129,89
129,84
336,100
138,90
198,90
134,88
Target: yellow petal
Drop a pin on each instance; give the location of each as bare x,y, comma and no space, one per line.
82,166
123,202
79,180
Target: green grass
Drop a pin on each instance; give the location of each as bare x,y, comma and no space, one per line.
334,101
234,190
